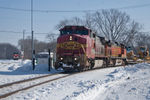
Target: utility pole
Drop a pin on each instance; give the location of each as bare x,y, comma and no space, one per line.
32,44
5,48
49,60
23,45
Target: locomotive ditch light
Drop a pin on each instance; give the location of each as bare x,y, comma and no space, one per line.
75,59
61,58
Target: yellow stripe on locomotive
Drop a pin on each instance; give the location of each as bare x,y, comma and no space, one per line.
71,45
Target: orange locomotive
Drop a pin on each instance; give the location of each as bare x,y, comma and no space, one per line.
78,48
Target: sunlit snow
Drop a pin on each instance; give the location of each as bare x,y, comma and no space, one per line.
131,82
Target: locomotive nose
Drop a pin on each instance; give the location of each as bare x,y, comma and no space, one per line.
71,42
71,50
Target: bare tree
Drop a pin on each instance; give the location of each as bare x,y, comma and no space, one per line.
131,34
62,23
52,46
76,21
73,21
52,41
25,46
113,24
88,21
143,39
51,37
39,46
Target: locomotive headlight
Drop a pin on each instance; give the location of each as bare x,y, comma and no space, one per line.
70,38
61,58
75,59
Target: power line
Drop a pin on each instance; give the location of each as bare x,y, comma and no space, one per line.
71,11
3,31
7,31
17,32
135,6
15,9
43,11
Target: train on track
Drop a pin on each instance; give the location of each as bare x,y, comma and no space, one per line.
79,48
16,56
142,55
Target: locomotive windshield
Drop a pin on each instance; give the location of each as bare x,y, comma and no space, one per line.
80,32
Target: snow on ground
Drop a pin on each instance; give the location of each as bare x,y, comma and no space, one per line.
133,85
131,82
14,70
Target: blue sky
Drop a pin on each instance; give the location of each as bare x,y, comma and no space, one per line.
18,21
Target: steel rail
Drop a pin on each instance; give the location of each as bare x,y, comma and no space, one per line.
22,89
26,80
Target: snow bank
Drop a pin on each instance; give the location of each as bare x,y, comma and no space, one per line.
95,90
131,82
14,70
22,66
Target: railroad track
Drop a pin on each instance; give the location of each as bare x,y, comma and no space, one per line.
26,80
15,87
22,85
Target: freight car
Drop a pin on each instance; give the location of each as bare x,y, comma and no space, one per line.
78,48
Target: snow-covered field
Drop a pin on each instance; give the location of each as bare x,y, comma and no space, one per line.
14,70
131,82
